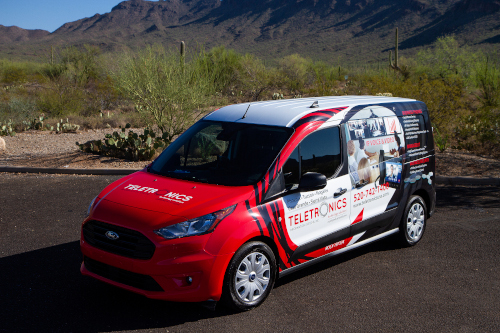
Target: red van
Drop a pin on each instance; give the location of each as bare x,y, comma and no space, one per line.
253,192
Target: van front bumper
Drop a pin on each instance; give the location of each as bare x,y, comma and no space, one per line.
180,270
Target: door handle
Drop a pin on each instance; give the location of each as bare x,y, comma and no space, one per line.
361,183
339,192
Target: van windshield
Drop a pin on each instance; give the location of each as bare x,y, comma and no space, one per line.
223,153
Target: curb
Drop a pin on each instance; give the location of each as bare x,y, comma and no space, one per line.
123,172
108,172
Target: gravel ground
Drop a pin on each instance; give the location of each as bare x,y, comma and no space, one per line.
45,149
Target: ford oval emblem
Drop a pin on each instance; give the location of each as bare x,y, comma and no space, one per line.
112,235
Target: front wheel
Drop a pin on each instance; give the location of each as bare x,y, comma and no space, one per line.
414,220
249,277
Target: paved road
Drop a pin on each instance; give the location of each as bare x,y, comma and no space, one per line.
450,282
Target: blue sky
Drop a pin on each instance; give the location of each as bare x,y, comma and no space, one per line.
50,14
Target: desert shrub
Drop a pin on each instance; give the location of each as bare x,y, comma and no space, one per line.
107,119
443,97
296,72
167,93
441,140
53,71
224,67
102,95
326,79
480,132
81,66
447,58
14,75
12,72
18,109
487,79
60,100
257,81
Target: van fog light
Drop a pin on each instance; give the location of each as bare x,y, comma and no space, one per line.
189,280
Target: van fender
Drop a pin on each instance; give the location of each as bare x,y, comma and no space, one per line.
223,247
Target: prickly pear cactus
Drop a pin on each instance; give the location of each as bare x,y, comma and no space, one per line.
131,146
7,129
65,127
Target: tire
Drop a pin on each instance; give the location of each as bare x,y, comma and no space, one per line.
249,277
413,223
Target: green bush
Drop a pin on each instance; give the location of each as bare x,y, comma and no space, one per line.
296,73
102,95
12,72
60,100
440,140
326,79
224,68
488,81
446,58
81,65
17,110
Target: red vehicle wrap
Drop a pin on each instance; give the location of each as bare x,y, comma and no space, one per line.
193,268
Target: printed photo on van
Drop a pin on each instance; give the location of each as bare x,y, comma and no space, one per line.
377,139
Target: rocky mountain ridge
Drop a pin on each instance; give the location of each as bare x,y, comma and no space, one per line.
320,29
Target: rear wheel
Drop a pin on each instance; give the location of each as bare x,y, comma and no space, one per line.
414,220
250,276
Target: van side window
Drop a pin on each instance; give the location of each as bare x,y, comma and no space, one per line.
291,169
319,152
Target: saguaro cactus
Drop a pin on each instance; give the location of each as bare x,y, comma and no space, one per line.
394,65
183,55
183,49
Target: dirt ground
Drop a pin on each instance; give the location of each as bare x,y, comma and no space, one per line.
45,149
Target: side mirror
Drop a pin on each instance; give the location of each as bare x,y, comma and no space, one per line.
312,181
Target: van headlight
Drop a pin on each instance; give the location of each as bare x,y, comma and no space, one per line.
196,226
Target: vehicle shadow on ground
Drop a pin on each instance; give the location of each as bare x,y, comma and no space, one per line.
44,290
467,197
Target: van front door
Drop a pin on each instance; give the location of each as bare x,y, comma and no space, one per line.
316,220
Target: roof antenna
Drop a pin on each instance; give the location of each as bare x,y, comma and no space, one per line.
244,116
314,105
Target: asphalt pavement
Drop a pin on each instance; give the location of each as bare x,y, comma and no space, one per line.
449,282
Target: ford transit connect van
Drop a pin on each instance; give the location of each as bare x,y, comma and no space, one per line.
253,192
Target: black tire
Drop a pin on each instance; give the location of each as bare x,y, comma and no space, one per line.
254,286
413,223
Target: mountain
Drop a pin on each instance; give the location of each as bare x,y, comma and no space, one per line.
15,34
333,30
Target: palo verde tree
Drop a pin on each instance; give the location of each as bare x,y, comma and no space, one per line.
167,92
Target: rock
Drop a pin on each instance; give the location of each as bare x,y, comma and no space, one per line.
2,145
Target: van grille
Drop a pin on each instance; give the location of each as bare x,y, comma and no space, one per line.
139,281
131,244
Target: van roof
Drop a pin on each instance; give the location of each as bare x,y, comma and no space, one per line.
286,112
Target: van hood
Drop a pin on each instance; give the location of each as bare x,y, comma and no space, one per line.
173,196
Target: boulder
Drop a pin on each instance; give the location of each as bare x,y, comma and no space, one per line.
2,145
